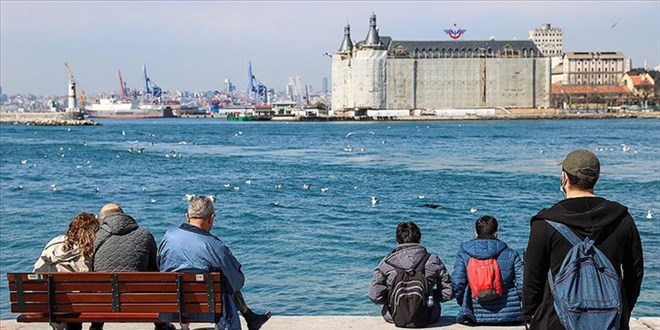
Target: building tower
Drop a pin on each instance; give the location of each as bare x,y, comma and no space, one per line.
372,40
346,44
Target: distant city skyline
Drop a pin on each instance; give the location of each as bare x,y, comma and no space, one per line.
196,45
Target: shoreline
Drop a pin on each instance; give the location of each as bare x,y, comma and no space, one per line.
324,323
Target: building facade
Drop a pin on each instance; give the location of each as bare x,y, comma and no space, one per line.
385,74
593,68
548,39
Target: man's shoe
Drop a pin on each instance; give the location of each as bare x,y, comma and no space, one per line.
164,326
255,322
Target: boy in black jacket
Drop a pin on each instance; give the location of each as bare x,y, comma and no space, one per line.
585,214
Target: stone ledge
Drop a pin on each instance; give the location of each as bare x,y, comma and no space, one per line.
322,323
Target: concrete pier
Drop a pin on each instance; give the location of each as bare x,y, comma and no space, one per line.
45,119
321,323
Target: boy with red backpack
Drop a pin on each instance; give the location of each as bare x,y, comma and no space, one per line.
487,278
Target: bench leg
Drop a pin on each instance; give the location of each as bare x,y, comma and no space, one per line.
184,326
58,326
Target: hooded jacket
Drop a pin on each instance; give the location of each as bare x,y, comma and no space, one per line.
406,256
122,246
190,249
618,239
506,309
54,259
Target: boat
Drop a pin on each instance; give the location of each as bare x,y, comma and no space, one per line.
124,109
240,116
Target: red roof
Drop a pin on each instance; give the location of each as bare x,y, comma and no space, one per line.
589,89
639,81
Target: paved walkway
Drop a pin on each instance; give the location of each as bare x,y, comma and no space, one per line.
318,323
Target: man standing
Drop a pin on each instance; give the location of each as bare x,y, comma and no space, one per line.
191,248
409,257
585,215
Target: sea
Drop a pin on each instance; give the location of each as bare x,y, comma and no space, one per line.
313,252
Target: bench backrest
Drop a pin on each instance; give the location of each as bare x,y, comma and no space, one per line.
143,292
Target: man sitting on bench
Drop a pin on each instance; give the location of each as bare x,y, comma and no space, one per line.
191,248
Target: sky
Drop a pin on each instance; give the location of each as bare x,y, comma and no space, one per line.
196,45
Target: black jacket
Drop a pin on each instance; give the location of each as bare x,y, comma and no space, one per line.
122,246
618,239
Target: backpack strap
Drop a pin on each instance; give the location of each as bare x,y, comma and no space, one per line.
568,234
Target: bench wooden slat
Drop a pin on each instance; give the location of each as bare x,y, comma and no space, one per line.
149,277
125,308
123,287
68,298
95,317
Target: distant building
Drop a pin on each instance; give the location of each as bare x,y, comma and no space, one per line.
229,87
549,40
592,68
324,85
380,73
641,85
294,88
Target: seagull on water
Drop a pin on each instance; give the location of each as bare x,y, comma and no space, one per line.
421,197
123,132
226,185
24,161
20,187
624,147
153,200
53,187
279,186
473,210
649,214
248,182
306,186
324,190
374,201
237,188
348,148
188,197
97,191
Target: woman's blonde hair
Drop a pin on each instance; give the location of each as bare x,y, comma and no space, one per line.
81,234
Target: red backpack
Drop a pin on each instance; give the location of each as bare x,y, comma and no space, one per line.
485,279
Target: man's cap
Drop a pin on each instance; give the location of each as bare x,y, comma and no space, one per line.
582,164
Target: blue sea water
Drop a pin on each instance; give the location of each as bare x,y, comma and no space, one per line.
312,252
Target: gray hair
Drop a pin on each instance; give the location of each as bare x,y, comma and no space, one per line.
200,207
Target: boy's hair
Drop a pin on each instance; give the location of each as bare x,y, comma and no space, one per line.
408,232
486,227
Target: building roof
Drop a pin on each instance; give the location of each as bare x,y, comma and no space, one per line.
590,55
640,81
495,45
589,89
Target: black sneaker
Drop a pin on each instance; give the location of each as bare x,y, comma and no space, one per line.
255,322
164,326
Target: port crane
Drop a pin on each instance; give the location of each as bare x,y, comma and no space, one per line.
150,88
255,86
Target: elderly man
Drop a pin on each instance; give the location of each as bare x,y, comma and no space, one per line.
554,232
191,248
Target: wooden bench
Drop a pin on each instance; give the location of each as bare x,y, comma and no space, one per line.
115,297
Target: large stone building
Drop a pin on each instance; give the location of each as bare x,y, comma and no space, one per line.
382,73
549,40
593,68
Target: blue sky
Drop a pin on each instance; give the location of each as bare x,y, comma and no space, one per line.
195,45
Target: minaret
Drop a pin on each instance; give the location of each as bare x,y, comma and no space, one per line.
372,39
346,44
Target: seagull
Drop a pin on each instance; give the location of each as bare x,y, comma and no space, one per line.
248,182
279,186
68,130
348,148
226,185
374,201
123,133
422,197
153,200
324,190
34,165
53,187
188,197
372,132
355,187
614,25
78,166
144,188
24,161
240,132
276,203
349,134
624,147
306,186
183,142
20,187
649,214
97,191
473,210
237,188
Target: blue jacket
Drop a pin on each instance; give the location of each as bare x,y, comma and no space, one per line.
503,310
189,249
